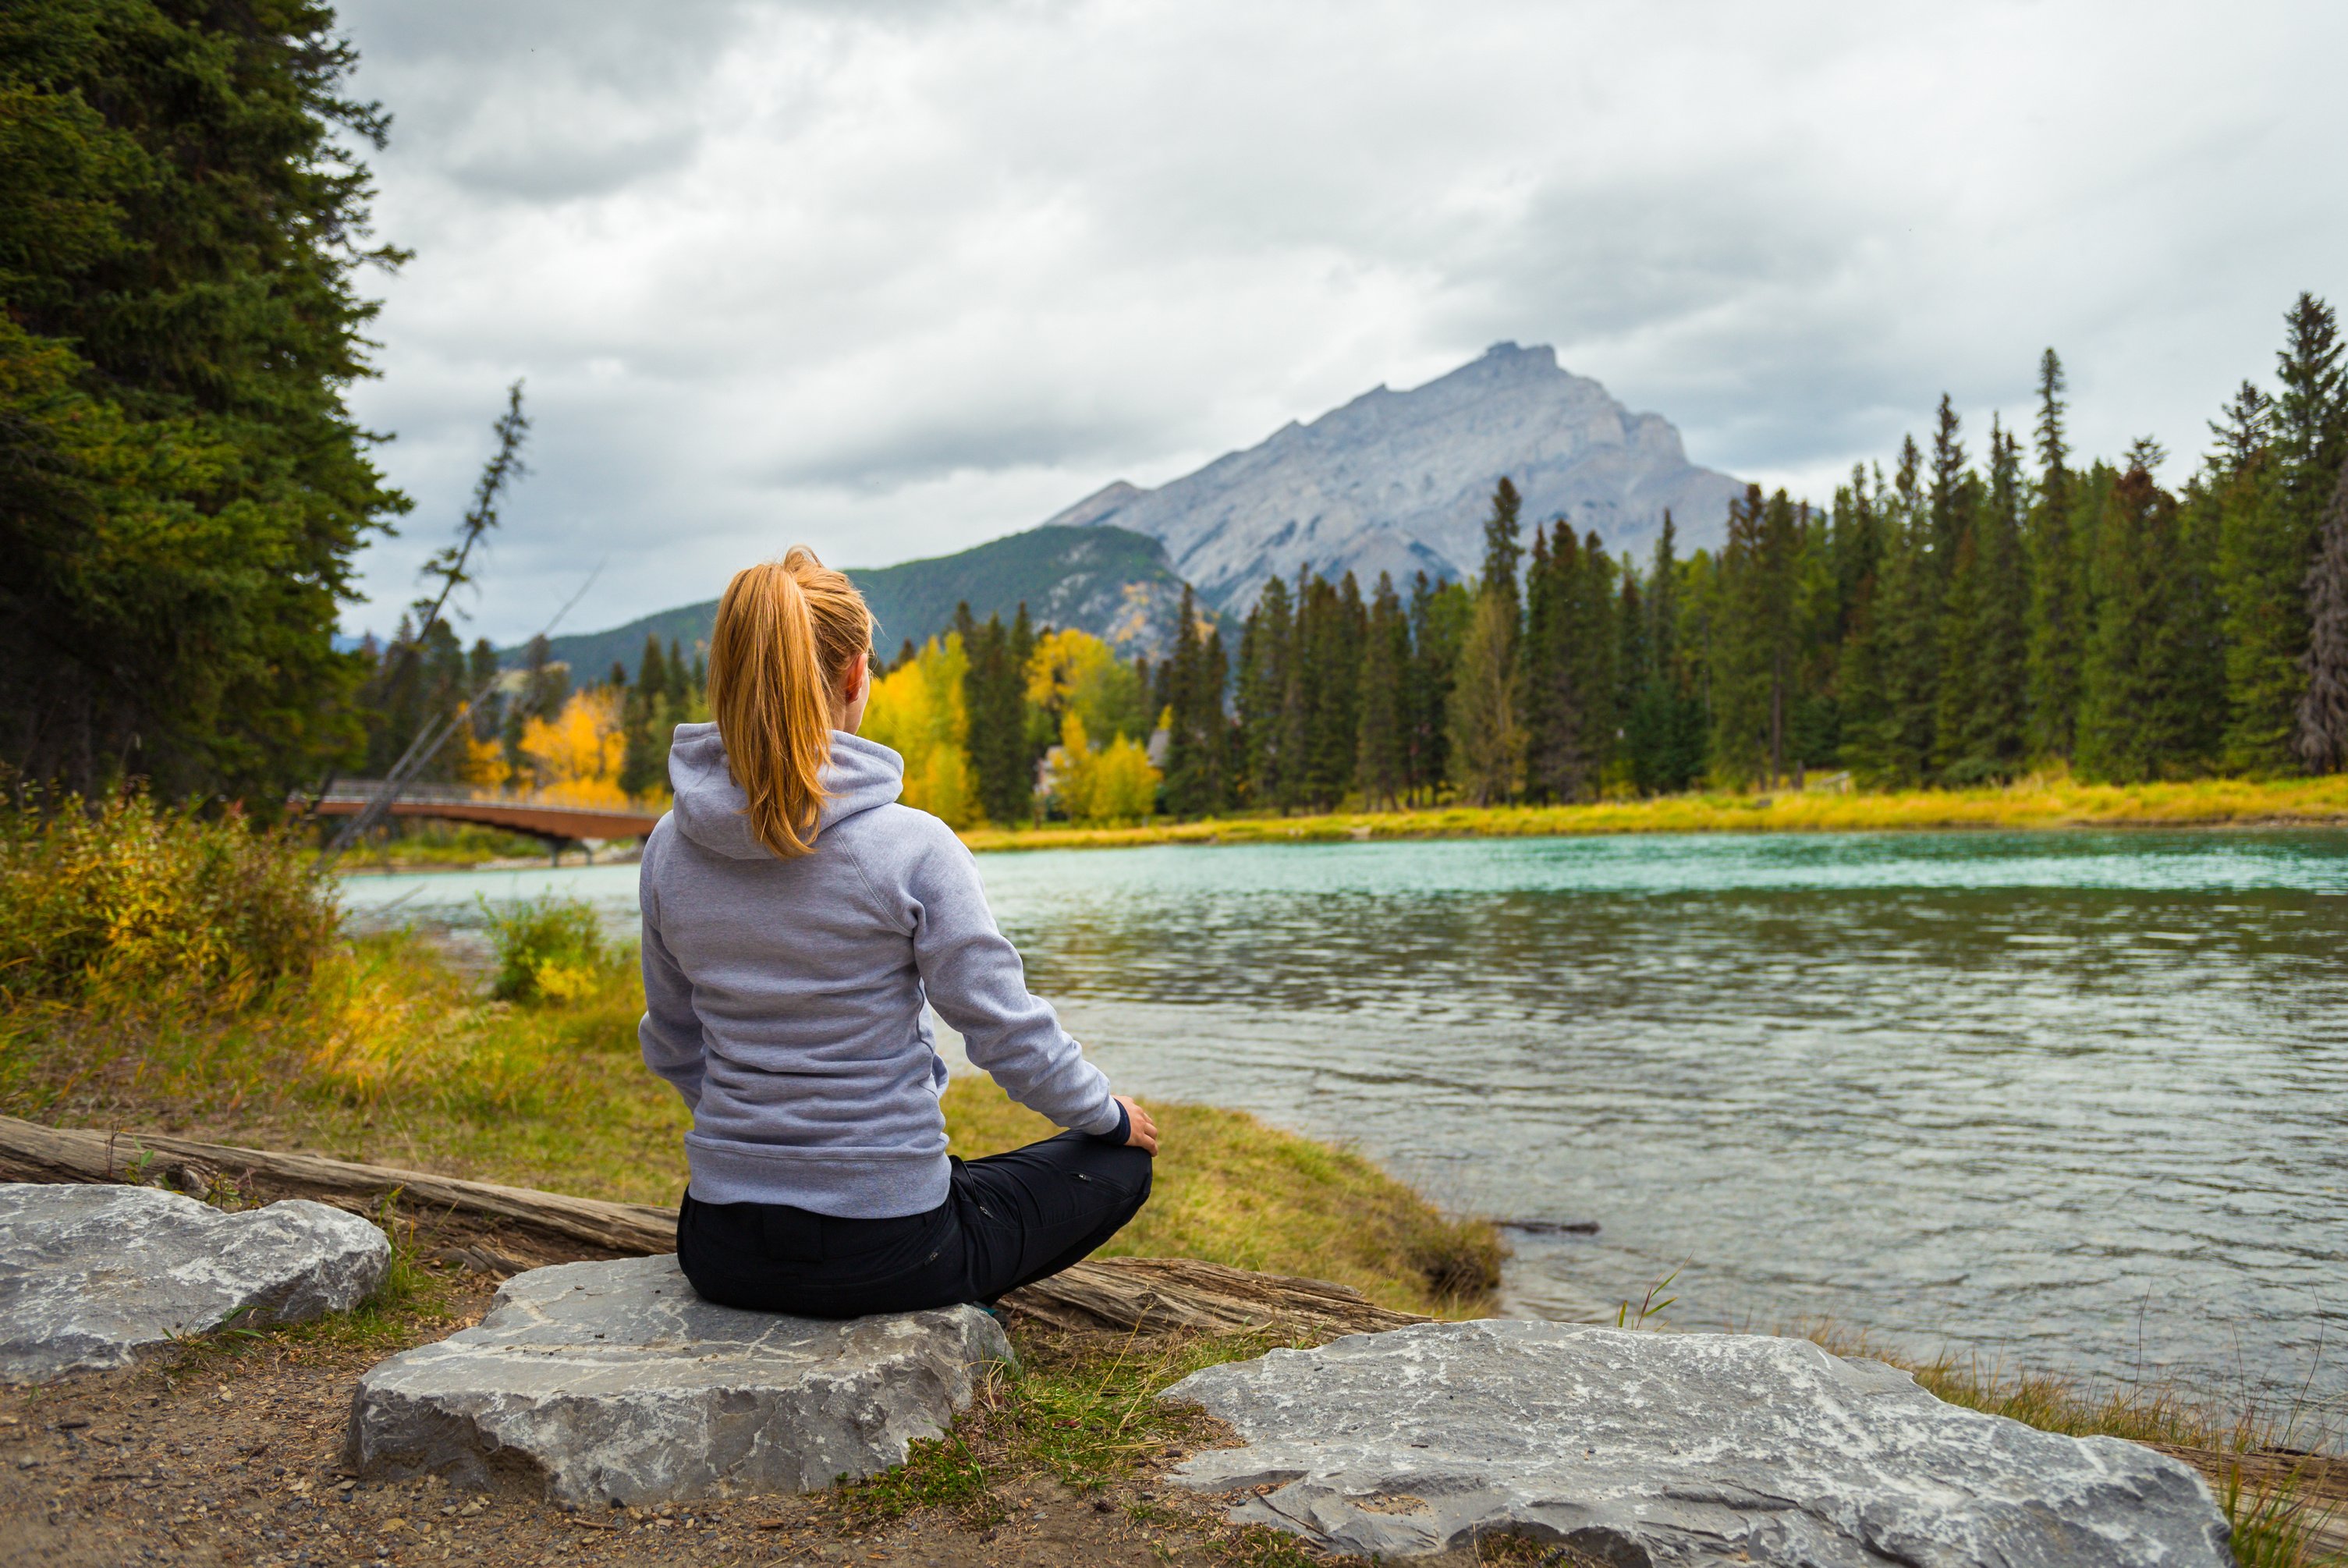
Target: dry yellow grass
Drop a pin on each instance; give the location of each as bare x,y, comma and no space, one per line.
1232,1190
389,1056
2044,802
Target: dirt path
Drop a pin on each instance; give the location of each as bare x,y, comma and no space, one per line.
229,1453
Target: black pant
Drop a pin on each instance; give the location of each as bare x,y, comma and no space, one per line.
1010,1219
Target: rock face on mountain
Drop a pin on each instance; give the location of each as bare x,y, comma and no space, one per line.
1398,482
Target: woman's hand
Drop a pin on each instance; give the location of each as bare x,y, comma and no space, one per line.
1142,1133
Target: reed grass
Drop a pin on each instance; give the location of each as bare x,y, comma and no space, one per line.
2041,802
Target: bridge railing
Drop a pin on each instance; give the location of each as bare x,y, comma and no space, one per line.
346,791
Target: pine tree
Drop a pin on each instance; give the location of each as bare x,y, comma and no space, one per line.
1595,649
995,701
1950,498
1502,551
2267,481
1385,657
1486,741
1329,631
2322,740
2057,598
1814,729
1743,649
1439,613
2146,706
1263,694
1195,744
1992,740
1551,711
1898,751
1858,683
183,224
645,716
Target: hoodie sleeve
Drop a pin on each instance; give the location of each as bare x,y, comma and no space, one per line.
976,983
671,1031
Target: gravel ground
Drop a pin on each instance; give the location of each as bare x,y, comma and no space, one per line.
231,1453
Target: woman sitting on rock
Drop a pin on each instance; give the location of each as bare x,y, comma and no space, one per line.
795,918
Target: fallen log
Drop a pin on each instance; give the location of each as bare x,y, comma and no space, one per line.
1158,1295
29,1151
1145,1295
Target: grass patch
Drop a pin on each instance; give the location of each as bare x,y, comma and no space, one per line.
1232,1190
1084,1411
383,1052
2278,1516
2046,800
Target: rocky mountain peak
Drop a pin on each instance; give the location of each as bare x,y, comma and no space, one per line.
1400,481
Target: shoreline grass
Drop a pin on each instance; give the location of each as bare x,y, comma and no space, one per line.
2043,802
385,1053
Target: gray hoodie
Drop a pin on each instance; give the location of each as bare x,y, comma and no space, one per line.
783,997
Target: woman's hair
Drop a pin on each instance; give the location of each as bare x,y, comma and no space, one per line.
787,632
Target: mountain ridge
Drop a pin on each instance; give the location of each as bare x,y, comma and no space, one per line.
1104,579
1401,481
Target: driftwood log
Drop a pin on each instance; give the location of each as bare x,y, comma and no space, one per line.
493,1228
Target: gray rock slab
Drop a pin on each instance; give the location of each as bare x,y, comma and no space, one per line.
90,1276
1643,1449
596,1382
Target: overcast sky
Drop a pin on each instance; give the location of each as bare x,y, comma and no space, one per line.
894,279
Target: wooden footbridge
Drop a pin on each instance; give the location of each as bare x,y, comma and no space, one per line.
554,826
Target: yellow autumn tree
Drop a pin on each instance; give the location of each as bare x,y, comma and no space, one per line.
574,758
918,712
1073,671
1112,783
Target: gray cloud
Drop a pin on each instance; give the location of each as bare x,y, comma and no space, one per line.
896,279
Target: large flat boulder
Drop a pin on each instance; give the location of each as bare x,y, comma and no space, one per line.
600,1382
90,1276
1644,1448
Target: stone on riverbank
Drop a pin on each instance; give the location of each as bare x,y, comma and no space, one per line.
601,1382
1675,1449
90,1276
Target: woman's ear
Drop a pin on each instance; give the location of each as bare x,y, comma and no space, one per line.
859,674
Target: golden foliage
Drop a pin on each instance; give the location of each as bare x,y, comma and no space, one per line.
574,758
918,711
1109,784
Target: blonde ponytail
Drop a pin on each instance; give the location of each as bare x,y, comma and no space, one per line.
786,633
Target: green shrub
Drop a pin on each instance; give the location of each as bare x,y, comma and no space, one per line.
549,949
130,900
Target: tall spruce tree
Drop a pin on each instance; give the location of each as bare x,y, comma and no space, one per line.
1263,694
1439,613
1906,639
1858,683
2268,534
644,763
1595,650
1194,740
2148,705
995,699
2321,739
1551,713
1950,498
183,223
2057,574
1743,648
1502,547
1663,727
1487,747
1386,660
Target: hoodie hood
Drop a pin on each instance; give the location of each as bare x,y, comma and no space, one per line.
712,810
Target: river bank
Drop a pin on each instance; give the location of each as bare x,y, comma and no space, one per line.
2033,803
378,1049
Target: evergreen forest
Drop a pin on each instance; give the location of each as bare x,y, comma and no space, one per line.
1962,619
